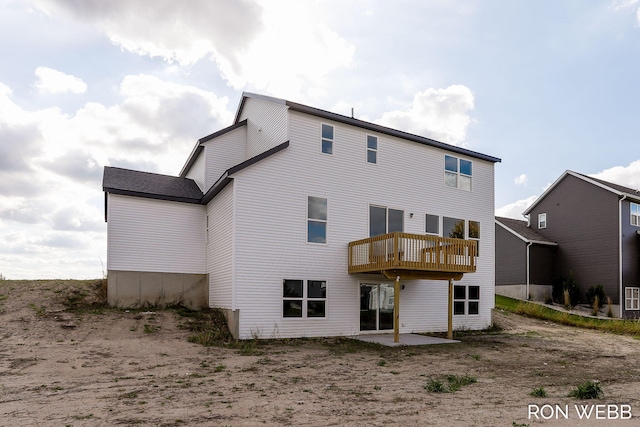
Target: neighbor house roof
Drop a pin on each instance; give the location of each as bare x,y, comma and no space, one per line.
619,190
364,125
521,230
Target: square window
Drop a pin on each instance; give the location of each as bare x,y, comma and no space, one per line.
457,173
458,307
453,228
316,308
292,288
372,142
465,167
451,179
451,164
474,307
372,156
316,289
433,224
632,299
474,292
317,208
292,308
459,292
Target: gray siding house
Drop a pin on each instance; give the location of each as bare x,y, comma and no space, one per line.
596,225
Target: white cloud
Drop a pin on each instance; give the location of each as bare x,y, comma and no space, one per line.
53,81
279,47
628,4
51,200
629,176
514,210
522,179
440,114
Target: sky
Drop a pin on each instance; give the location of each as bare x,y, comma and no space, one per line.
545,85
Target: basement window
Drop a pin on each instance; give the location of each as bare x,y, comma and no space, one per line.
632,298
466,300
304,299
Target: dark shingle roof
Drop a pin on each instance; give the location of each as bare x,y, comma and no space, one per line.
521,229
145,184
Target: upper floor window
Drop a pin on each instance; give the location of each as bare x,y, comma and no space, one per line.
542,220
453,228
433,224
316,220
457,173
327,139
372,149
635,214
383,220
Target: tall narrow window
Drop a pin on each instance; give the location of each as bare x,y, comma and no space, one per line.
327,139
383,220
474,234
635,214
372,149
433,224
316,220
457,173
542,220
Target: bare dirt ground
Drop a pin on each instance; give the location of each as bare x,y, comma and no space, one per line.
116,367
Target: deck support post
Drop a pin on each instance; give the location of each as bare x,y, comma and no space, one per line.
450,313
396,310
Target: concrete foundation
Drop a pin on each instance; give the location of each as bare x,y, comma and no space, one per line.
536,292
233,321
139,288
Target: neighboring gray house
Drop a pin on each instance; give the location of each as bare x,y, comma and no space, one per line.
525,262
596,226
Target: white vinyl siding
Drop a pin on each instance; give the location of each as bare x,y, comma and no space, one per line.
266,125
220,249
197,171
154,235
271,222
223,153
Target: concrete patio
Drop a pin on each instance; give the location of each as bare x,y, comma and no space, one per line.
405,339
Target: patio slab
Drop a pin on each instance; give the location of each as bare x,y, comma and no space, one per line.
405,339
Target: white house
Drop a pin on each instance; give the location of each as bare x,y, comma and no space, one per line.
267,221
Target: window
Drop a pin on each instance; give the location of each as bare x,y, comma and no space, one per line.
433,224
299,300
466,300
316,220
542,220
632,298
635,214
372,149
453,228
474,234
457,173
383,220
327,139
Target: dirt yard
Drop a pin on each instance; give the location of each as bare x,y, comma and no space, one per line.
98,366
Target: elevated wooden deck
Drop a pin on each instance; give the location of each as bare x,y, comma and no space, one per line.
413,256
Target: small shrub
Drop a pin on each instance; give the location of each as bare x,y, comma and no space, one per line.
595,305
453,383
538,392
435,386
609,310
596,292
587,390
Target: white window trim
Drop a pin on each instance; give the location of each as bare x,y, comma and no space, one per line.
375,150
325,221
467,300
636,215
629,300
542,220
386,225
458,173
333,140
305,298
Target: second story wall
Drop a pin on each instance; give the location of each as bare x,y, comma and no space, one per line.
266,125
222,153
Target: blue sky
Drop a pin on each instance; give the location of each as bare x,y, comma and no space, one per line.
544,85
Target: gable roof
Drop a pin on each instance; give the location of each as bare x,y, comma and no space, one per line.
616,189
151,185
520,229
364,125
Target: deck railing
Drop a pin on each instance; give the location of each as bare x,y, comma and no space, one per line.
405,251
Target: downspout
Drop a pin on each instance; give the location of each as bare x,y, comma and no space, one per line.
621,295
528,269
